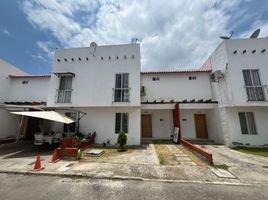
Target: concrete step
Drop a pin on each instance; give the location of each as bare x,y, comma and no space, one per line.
7,140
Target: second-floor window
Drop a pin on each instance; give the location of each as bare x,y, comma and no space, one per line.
65,89
121,90
254,88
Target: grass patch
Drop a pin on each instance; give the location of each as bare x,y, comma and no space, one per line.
165,156
222,166
252,150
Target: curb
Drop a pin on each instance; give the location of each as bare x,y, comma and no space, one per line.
84,175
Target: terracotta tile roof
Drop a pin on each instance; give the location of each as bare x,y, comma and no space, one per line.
206,67
201,69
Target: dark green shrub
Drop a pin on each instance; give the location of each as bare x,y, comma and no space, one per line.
122,140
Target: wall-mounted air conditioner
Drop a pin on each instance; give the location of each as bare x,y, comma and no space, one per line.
216,75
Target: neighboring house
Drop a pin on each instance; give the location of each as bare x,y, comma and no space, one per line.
103,89
190,91
239,84
17,88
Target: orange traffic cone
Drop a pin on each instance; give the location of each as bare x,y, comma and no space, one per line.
54,158
37,165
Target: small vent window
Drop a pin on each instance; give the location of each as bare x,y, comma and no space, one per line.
192,77
25,82
156,78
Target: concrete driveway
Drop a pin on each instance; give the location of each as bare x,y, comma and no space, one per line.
141,164
247,167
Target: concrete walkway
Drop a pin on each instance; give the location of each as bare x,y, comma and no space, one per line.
247,167
181,157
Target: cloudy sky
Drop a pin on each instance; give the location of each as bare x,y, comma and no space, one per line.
172,33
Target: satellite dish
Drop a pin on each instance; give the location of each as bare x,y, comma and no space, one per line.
93,46
255,34
226,37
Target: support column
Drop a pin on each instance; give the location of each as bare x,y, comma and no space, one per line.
176,120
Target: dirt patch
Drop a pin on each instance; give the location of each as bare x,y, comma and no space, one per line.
191,155
108,153
165,156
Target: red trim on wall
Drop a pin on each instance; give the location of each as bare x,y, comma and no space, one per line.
198,150
31,76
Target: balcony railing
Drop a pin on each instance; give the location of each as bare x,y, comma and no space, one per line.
121,94
255,93
63,96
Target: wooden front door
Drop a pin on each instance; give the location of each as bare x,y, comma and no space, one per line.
200,126
146,126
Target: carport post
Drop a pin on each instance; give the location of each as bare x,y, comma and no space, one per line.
19,128
176,120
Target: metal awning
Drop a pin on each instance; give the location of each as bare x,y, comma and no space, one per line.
49,115
59,74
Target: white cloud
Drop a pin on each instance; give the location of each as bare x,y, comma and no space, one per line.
6,32
48,47
174,33
40,58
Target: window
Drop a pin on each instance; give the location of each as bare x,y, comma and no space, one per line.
25,82
192,77
155,78
247,123
65,89
121,122
121,93
70,127
253,85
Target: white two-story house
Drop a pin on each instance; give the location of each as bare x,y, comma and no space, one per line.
103,82
103,89
239,83
185,93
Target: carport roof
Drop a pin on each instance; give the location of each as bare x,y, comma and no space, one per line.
49,115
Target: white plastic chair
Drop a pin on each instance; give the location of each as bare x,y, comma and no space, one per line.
57,138
38,139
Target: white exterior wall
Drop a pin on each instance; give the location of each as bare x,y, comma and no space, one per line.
9,124
239,61
176,86
7,69
214,125
95,79
260,115
102,120
35,90
162,123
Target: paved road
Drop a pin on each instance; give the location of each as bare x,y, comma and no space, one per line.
14,187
